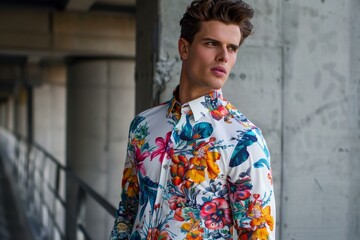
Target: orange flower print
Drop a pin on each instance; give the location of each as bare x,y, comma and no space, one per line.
156,234
177,203
131,180
193,228
261,217
178,169
195,235
260,234
204,159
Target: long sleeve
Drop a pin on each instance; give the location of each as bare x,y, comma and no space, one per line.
126,213
250,187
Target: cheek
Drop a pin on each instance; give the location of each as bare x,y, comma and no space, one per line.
232,61
199,60
202,54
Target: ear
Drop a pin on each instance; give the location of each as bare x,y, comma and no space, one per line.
183,48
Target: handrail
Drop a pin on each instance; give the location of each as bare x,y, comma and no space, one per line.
33,179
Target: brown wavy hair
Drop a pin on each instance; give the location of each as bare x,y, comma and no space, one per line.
226,11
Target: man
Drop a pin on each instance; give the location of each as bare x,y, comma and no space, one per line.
196,168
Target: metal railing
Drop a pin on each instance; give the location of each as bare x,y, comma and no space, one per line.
41,180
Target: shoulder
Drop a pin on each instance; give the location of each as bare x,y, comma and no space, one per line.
150,114
250,147
247,133
237,121
154,110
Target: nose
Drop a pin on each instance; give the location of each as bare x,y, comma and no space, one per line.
222,55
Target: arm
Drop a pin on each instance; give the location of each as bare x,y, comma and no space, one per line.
126,213
251,191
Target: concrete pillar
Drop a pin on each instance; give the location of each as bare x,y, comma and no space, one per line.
147,47
10,114
21,112
50,111
101,105
50,131
2,114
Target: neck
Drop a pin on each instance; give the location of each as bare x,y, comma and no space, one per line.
188,91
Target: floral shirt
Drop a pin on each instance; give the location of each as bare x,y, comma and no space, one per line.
200,170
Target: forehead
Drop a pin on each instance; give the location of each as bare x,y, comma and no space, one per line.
227,33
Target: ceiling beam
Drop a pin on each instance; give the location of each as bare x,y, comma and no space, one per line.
67,33
80,5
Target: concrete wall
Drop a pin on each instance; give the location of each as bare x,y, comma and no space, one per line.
354,121
297,78
320,120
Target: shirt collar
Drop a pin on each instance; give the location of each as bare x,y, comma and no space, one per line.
199,106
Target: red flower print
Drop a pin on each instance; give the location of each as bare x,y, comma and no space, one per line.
156,234
163,147
216,213
240,189
219,112
178,170
139,158
176,203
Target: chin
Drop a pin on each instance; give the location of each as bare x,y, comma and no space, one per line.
219,83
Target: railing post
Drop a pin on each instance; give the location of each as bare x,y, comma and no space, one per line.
34,176
72,191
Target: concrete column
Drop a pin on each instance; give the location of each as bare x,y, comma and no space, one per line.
22,111
50,111
10,116
50,131
3,114
101,105
147,47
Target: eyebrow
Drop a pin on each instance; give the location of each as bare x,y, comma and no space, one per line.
217,41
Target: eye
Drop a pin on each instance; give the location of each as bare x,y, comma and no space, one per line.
233,48
210,44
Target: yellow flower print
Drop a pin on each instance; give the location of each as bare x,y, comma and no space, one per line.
193,229
131,180
203,159
260,234
261,217
196,174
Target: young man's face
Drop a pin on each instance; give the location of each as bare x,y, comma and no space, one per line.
208,60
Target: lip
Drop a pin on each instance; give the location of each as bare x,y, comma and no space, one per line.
219,71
